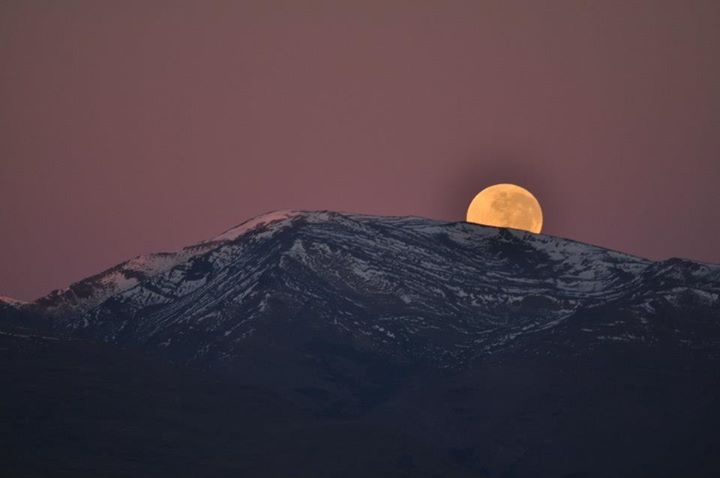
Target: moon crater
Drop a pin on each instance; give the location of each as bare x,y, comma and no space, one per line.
506,205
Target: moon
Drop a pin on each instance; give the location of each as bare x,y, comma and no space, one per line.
506,205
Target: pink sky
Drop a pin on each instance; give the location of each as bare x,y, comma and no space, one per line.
130,127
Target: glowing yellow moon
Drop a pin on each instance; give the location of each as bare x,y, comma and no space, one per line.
506,205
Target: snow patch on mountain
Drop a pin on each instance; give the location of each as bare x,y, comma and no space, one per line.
264,219
11,302
90,292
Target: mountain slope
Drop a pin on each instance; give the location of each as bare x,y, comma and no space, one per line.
409,287
87,293
327,344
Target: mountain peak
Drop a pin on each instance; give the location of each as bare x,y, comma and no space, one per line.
255,222
89,292
408,286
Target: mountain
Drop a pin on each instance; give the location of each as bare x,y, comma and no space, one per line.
408,287
92,291
456,349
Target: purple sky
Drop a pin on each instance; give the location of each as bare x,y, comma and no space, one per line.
129,127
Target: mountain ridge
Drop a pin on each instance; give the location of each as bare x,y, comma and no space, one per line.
389,282
355,345
134,264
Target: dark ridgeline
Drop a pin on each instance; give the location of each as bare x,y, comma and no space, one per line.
325,344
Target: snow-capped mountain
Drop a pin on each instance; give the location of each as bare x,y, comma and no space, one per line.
87,293
326,344
413,288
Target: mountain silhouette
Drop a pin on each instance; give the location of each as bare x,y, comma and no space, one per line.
331,344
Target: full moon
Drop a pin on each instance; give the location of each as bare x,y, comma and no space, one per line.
506,205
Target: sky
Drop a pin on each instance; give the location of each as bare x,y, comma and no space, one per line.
129,127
